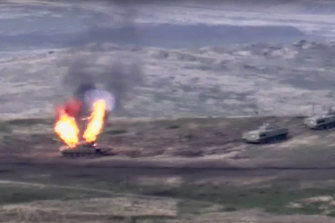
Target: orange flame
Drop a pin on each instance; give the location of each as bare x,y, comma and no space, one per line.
67,129
96,121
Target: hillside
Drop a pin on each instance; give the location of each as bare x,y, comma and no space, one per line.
213,81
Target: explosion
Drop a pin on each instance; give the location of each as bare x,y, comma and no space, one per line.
67,129
73,127
96,121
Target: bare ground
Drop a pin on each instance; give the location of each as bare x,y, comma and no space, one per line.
168,170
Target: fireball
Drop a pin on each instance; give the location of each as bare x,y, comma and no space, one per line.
96,121
67,129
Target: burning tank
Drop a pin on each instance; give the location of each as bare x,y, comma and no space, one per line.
81,120
85,150
323,121
266,133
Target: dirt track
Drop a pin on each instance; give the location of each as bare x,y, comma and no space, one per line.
198,163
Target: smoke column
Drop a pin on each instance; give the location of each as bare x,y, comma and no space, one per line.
120,75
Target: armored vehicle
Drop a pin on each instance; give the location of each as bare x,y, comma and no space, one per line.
85,150
266,133
324,121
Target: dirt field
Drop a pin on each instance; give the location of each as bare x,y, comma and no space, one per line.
172,170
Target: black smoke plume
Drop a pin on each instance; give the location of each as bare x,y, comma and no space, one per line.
120,75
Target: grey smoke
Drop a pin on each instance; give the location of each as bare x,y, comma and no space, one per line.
120,75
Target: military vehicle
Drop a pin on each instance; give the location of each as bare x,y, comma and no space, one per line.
266,133
85,150
323,121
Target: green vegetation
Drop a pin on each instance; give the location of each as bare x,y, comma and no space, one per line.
15,193
274,199
184,137
188,206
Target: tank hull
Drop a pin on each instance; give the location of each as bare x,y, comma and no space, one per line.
266,134
320,122
270,139
85,151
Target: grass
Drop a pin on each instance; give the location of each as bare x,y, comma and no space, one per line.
273,199
11,194
15,194
115,131
194,197
5,128
29,122
192,206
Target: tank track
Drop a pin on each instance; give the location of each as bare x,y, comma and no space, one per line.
273,139
85,151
